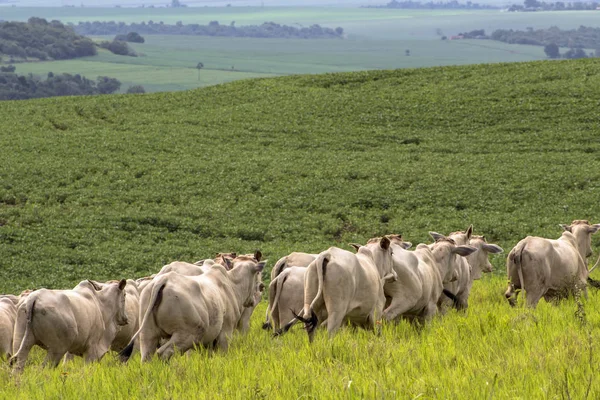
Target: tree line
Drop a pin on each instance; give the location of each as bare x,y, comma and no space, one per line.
408,4
22,87
535,5
38,38
583,37
266,30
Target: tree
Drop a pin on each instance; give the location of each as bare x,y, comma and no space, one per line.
107,85
531,3
199,66
552,50
575,53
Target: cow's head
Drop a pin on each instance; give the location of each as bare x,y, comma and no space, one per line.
479,259
247,272
112,297
583,231
381,250
461,237
446,255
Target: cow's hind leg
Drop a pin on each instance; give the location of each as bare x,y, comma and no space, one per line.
148,345
533,298
181,341
334,322
19,359
53,357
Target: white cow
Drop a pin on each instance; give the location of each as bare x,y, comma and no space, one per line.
548,268
349,286
286,297
195,310
421,277
8,315
82,321
132,310
295,259
469,268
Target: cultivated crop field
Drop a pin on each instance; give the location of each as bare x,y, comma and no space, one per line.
374,39
116,186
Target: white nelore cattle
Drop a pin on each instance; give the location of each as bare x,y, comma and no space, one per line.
422,274
199,267
468,269
349,287
550,268
8,315
20,321
82,321
286,296
195,310
132,310
295,259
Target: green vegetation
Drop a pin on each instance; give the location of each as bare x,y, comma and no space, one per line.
116,186
42,40
582,37
373,39
264,30
21,87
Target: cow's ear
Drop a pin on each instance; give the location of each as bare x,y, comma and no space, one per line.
469,231
355,245
406,245
261,265
436,236
122,284
233,255
384,243
464,251
492,248
594,228
94,285
257,255
566,227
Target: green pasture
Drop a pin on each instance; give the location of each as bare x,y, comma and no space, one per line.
375,39
489,352
116,186
169,63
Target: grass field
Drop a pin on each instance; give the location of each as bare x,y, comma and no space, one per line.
116,186
376,39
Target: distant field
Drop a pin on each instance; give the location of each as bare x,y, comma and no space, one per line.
375,39
168,63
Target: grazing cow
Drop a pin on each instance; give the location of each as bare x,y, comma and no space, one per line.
295,259
469,268
349,286
132,310
8,315
82,321
548,268
195,310
421,277
286,296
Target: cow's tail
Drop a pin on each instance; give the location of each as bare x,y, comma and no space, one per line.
277,268
30,307
311,322
275,289
155,299
451,296
519,264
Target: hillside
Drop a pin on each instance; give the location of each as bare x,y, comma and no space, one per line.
119,185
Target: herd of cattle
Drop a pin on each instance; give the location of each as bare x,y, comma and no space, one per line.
201,304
